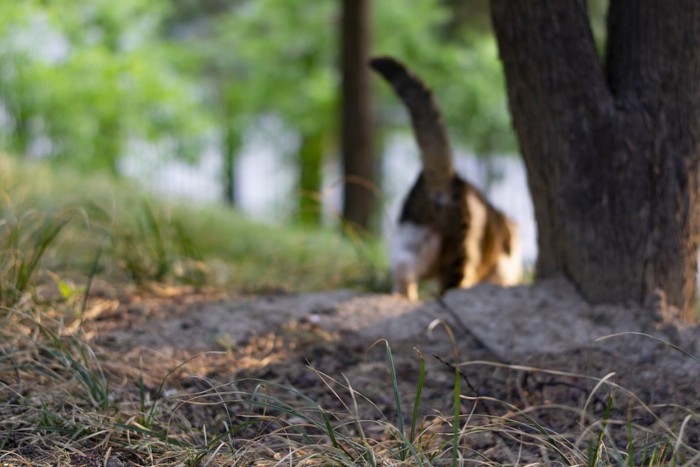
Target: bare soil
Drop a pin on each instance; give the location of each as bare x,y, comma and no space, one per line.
538,350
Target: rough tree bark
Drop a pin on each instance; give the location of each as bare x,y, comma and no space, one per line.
611,149
357,116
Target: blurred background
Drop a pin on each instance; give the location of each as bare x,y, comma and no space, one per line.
238,102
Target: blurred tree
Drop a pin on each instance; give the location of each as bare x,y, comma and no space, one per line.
281,57
97,80
191,25
107,74
357,119
612,149
276,57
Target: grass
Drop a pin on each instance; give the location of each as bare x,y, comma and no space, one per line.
143,240
23,243
67,400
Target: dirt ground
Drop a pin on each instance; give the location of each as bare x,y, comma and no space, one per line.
539,350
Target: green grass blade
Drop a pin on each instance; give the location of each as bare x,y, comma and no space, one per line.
395,387
419,391
457,402
597,449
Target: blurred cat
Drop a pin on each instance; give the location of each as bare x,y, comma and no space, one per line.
447,229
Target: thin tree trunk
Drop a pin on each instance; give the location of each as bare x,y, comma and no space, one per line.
232,138
357,114
231,146
612,158
20,137
108,145
310,177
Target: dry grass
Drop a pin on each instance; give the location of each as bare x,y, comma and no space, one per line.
69,402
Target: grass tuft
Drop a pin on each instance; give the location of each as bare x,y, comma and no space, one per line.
24,241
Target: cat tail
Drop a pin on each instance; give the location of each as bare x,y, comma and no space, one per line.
426,118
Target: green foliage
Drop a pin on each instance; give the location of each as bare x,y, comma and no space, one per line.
463,70
294,75
101,80
110,76
287,72
282,72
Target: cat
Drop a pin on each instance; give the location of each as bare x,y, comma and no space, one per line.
447,229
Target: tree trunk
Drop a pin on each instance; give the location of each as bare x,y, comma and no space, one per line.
310,177
231,146
232,139
611,151
108,146
357,120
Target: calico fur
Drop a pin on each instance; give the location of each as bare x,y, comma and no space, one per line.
447,229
